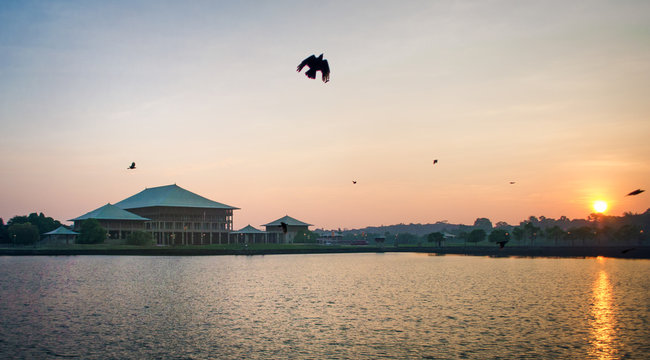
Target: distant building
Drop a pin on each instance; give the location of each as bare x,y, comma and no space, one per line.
117,222
249,235
178,216
275,233
60,235
330,238
170,213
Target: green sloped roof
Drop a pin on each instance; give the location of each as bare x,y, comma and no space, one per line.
248,230
110,212
287,220
61,230
171,196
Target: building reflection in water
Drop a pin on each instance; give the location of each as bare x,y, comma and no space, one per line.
603,322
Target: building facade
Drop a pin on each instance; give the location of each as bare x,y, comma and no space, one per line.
284,229
179,217
118,223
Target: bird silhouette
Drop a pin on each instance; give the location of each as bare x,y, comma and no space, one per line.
512,183
627,250
132,166
354,181
635,192
316,64
284,227
435,161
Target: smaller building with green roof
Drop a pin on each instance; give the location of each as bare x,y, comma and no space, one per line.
60,235
248,235
117,222
277,232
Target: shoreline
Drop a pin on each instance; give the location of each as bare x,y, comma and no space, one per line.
636,252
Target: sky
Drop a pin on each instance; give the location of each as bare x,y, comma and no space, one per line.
552,95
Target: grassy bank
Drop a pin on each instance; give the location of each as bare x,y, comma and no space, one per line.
629,252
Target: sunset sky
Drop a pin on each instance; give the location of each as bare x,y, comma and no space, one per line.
553,95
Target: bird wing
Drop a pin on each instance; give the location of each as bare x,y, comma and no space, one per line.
325,69
308,62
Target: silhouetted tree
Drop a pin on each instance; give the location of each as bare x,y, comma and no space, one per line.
531,231
91,232
463,235
4,233
43,223
483,223
406,238
306,237
141,238
476,235
518,233
629,232
437,237
554,233
499,235
23,234
582,233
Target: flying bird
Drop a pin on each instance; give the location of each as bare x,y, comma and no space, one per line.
435,161
284,227
635,192
354,181
512,183
132,166
316,64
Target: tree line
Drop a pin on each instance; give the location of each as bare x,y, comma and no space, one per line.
597,229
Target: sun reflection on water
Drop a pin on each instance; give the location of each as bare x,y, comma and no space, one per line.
603,323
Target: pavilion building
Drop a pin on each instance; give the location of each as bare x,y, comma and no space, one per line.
249,235
58,236
276,233
118,222
176,216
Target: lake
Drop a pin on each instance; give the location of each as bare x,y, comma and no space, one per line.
326,306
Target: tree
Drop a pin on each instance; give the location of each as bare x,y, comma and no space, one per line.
141,238
476,235
518,233
483,223
306,237
91,232
629,232
437,237
555,233
43,223
581,233
4,233
463,235
531,231
23,234
406,238
499,235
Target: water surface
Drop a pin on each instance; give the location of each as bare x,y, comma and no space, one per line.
336,306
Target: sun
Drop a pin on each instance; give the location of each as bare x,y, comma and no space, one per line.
600,206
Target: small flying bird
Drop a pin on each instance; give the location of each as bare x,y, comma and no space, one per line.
512,183
354,181
435,161
284,227
132,166
316,64
635,192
